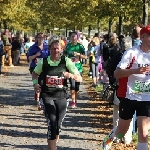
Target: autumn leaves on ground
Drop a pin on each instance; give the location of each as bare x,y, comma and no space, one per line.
102,112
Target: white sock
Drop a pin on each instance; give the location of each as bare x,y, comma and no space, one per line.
38,101
142,146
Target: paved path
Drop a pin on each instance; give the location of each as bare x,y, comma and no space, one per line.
22,127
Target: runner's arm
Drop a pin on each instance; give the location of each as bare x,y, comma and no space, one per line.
82,54
124,68
73,69
34,56
120,73
37,87
37,71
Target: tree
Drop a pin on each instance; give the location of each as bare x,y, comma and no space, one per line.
145,12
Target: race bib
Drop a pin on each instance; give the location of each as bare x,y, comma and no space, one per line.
37,60
54,81
75,59
141,87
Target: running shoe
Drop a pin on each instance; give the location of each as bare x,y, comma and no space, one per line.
1,75
108,140
73,104
11,66
107,143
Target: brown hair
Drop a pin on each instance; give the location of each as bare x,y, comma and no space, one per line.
38,34
112,41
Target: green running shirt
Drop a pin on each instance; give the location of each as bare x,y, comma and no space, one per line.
79,48
69,64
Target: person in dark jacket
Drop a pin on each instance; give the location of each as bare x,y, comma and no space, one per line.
16,45
1,55
112,50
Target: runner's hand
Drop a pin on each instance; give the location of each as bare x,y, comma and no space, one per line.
38,53
77,78
68,75
37,88
76,54
141,70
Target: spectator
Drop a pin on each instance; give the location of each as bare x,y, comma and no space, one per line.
85,44
1,55
7,49
95,60
16,45
136,36
28,44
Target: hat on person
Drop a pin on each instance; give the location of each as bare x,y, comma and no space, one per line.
145,30
53,38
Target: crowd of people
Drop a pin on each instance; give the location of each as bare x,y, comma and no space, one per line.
122,61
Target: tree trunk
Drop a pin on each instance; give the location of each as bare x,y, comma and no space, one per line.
110,26
66,32
98,26
120,30
5,24
0,25
74,29
145,12
89,31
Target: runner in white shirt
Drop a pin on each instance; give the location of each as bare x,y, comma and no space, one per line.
133,72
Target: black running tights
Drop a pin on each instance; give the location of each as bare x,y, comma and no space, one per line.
55,111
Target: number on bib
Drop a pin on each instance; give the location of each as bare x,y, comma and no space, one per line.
54,81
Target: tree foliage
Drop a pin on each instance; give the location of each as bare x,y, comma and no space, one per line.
38,15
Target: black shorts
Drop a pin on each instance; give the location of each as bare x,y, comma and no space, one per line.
128,107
